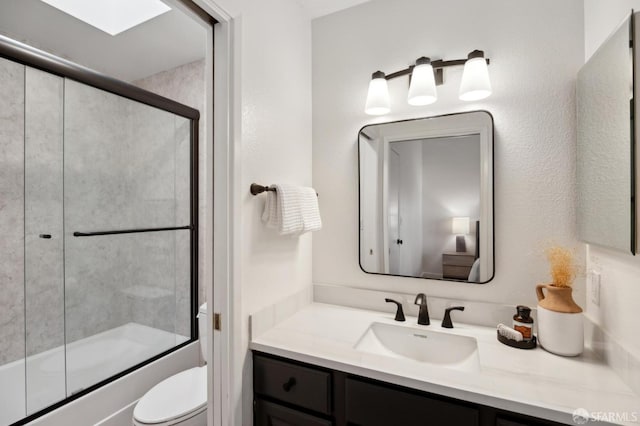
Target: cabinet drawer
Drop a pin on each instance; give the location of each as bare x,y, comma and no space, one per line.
522,421
372,405
459,272
457,260
292,383
270,414
505,422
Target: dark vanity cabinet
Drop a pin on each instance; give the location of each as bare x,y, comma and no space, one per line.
370,403
271,414
307,389
290,393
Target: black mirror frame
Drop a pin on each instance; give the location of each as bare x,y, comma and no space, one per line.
493,218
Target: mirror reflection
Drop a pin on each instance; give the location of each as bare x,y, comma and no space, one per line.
426,198
604,167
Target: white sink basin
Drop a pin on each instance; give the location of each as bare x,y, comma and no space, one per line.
438,348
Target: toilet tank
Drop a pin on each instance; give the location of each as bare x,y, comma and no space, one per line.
203,326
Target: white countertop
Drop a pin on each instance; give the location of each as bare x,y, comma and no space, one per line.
532,382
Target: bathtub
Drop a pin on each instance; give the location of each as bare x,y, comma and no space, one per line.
88,361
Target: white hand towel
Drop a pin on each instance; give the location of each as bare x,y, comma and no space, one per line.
288,211
292,210
270,215
310,210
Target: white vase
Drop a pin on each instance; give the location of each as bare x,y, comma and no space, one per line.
560,333
560,323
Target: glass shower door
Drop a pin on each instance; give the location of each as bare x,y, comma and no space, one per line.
32,360
97,235
127,267
43,240
12,331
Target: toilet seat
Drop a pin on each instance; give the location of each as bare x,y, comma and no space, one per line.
176,399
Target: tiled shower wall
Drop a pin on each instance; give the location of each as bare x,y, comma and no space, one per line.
126,166
11,211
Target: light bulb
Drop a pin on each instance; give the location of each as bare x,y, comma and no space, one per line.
422,90
378,96
475,83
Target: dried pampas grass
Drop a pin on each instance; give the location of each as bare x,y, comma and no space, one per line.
563,265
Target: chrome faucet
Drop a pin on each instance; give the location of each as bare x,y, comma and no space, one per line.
423,313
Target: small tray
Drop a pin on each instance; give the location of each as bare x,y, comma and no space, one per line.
528,344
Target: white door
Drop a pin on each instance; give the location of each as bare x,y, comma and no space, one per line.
370,253
393,213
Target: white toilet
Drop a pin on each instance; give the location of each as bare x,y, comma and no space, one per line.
180,399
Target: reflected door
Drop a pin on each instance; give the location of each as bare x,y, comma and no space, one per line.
393,213
370,253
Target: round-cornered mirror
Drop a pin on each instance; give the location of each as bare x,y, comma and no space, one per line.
426,198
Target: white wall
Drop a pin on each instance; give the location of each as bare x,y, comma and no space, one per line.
601,18
620,272
271,143
535,50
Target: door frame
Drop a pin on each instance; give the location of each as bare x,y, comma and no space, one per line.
221,170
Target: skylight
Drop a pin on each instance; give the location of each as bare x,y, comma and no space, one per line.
111,16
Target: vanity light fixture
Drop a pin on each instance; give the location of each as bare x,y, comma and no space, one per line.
425,75
475,83
460,227
422,87
378,96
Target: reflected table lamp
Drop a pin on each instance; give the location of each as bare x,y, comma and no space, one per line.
460,227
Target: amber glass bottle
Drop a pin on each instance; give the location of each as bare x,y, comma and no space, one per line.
523,322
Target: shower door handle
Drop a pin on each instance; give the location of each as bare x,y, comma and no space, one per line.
130,231
45,236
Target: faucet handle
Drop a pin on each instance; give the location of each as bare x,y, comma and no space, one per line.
446,321
399,311
421,299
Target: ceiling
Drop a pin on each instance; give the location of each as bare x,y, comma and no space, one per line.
162,43
165,42
318,8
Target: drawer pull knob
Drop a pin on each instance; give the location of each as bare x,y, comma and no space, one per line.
289,384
